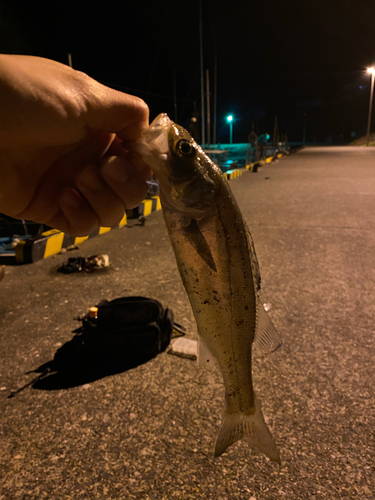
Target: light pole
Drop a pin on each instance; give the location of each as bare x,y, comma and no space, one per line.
230,121
372,72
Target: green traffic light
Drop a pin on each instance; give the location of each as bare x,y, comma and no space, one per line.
230,118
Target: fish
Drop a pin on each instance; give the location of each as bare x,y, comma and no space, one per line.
216,258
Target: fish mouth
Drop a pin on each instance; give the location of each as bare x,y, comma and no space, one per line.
158,132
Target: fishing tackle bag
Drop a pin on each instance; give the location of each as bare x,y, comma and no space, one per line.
114,336
128,326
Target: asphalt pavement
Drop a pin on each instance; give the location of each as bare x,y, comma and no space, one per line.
148,432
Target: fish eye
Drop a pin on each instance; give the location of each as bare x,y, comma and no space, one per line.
185,148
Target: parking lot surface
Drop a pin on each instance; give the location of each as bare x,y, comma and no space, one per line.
148,432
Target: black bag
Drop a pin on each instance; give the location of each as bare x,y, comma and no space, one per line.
114,336
135,326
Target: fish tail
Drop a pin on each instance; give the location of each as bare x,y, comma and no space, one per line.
236,426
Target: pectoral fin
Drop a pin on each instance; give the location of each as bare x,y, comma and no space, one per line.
198,242
266,339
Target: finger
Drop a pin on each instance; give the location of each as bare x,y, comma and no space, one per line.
116,148
76,216
119,148
129,184
136,160
115,111
92,150
62,174
105,203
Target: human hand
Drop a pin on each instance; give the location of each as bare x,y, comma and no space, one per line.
61,158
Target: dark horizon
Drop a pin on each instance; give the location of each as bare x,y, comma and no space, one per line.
272,59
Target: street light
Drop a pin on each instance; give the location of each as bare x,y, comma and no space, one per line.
372,72
230,121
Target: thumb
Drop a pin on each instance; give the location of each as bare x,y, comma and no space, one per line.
117,112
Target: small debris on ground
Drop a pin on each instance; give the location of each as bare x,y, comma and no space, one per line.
72,247
184,348
68,249
86,264
142,220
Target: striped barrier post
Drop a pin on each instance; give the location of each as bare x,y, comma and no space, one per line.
145,208
232,174
52,242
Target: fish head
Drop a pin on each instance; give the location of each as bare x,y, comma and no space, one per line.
185,174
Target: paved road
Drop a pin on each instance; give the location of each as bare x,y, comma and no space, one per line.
148,433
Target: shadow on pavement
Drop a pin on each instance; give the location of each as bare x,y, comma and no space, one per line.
76,363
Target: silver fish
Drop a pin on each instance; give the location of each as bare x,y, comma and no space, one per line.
219,269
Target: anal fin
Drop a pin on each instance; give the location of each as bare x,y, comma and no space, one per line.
267,338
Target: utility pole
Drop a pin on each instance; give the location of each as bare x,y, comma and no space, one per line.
215,90
208,109
275,133
372,71
175,96
202,75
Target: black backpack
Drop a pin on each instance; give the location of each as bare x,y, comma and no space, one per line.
133,326
114,336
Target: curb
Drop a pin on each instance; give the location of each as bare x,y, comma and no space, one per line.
51,242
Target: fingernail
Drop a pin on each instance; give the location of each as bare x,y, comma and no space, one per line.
90,177
117,169
71,198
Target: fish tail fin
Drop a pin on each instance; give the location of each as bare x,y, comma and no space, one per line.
236,426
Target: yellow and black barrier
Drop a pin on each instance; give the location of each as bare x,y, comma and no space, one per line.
145,208
232,174
52,242
253,167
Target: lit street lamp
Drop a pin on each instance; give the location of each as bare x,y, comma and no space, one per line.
372,72
230,121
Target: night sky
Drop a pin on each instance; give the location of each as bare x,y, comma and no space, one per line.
283,58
